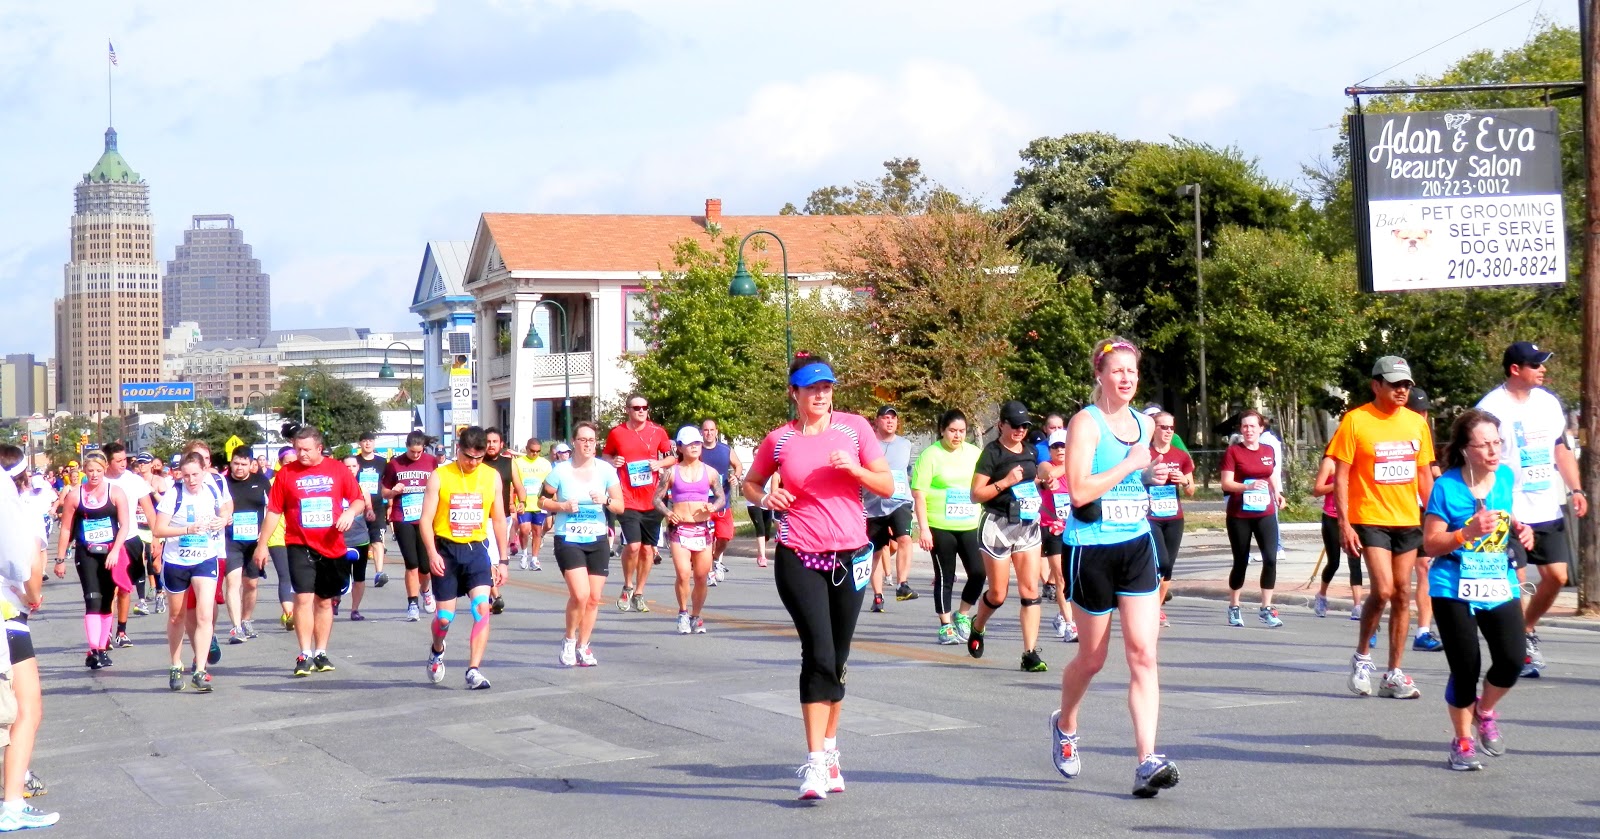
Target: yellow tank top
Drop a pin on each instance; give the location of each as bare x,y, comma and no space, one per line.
464,502
275,540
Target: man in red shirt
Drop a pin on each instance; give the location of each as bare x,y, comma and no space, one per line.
317,499
639,449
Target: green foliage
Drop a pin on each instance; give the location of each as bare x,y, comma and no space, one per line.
1062,195
903,190
407,392
1049,367
337,408
202,421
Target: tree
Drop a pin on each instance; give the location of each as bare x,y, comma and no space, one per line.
1062,194
337,408
902,191
407,393
1049,365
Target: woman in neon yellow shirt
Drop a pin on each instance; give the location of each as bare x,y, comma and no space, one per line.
941,493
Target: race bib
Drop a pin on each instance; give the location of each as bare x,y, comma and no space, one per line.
369,482
1028,500
1062,502
1256,500
139,518
193,554
1537,469
861,568
316,513
1125,507
246,527
958,505
1163,501
1394,462
639,474
411,505
902,487
1484,577
466,514
693,538
98,531
586,524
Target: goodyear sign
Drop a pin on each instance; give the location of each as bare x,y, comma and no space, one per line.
158,392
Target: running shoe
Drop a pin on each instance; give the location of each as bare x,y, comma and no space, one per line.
141,607
1032,662
1361,675
813,780
216,652
357,616
638,603
1061,627
435,666
1463,756
429,605
947,635
1064,749
585,657
1072,632
1355,612
122,640
963,624
699,626
250,629
1047,592
302,665
91,661
522,563
721,570
533,564
336,605
830,759
904,592
1427,642
625,600
569,653
236,636
1234,617
161,603
877,602
413,613
104,657
1397,685
1319,607
1269,616
286,621
1164,621
322,663
476,680
761,562
380,580
1373,641
32,785
975,643
1155,773
497,605
201,681
1535,657
711,578
683,624
1488,725
175,678
1529,671
24,818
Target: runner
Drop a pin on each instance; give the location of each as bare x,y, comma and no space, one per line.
318,500
511,500
577,492
1426,640
1009,533
96,516
372,466
1331,547
357,551
719,455
531,470
1052,424
406,479
823,558
640,450
761,521
189,516
464,508
889,519
1383,452
1053,514
1166,508
278,550
1250,472
1113,564
1533,426
139,494
248,489
1470,526
151,597
688,498
21,592
947,520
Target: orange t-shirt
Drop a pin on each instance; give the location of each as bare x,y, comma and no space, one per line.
1387,453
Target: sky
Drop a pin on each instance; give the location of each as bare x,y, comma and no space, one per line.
344,136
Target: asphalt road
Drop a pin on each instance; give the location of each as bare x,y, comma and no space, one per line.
675,736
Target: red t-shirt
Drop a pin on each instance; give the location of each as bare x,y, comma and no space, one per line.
311,499
826,514
412,477
1248,466
1166,498
648,443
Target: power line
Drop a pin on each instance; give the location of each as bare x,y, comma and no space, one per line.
1445,41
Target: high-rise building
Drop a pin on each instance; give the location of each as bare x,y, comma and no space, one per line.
108,320
216,282
24,387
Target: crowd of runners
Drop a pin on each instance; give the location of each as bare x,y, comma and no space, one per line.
1085,512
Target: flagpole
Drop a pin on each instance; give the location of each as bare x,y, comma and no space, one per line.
109,121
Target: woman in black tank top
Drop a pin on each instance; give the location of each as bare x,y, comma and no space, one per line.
99,514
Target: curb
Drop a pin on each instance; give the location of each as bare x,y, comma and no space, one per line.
1216,591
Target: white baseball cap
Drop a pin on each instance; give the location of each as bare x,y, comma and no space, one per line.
689,435
1058,436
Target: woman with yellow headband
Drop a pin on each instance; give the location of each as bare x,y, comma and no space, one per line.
96,514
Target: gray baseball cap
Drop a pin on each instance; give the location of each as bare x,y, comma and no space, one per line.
1392,368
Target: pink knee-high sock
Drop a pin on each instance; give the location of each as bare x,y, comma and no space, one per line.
91,630
107,623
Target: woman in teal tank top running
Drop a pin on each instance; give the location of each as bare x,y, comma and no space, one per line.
1112,564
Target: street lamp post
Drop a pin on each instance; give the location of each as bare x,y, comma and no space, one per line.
386,371
534,342
1193,190
305,393
744,285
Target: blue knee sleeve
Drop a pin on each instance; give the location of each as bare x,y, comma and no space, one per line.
480,600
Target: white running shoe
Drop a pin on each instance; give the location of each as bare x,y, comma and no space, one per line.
24,817
711,579
1061,627
1361,675
684,627
522,563
533,564
721,570
429,605
813,780
830,759
585,657
569,652
435,666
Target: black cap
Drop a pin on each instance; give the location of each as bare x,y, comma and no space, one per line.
1419,401
1015,414
1524,354
886,410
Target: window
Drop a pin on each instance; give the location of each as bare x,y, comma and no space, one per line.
636,309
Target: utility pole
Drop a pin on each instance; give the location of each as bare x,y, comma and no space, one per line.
1203,431
1589,526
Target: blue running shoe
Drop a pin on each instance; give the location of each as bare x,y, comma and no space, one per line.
1427,642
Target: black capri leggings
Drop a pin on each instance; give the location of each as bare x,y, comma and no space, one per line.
1502,627
1168,534
1331,545
280,567
98,590
1265,531
824,609
947,544
761,518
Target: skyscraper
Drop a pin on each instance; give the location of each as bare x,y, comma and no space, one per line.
108,320
215,282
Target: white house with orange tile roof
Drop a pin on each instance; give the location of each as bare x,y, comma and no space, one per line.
595,267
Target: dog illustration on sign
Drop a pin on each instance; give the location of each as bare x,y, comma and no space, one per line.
1413,239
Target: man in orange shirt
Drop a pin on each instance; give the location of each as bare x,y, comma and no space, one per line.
1383,453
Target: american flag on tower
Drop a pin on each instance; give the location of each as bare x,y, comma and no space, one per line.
113,51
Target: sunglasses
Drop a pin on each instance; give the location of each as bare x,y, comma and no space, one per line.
638,407
471,456
1166,427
